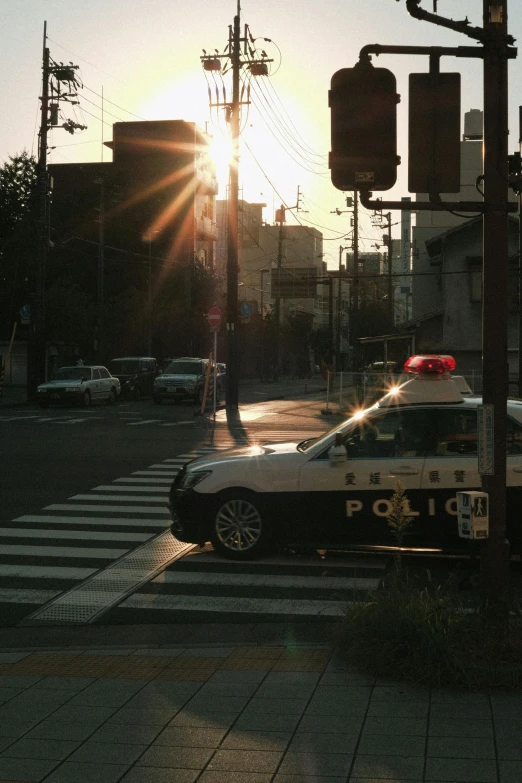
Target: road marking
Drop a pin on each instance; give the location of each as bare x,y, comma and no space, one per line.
177,423
143,481
154,473
73,421
110,488
106,507
235,604
63,551
46,572
18,418
158,524
17,532
130,499
11,595
267,580
144,421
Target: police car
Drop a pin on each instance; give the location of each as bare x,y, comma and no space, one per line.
333,492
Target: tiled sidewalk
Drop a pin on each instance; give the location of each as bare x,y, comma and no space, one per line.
261,714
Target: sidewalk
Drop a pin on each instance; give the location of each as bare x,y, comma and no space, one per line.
13,396
282,713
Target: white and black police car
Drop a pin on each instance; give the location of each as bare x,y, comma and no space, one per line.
333,492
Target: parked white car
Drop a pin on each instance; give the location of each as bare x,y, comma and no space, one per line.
80,385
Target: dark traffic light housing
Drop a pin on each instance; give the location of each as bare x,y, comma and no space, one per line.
363,102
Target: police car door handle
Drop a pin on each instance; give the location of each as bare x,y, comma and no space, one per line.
404,470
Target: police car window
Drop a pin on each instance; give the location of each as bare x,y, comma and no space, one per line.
95,374
405,433
513,437
104,373
456,433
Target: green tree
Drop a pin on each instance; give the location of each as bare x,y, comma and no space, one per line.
17,234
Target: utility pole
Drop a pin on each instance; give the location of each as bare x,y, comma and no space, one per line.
353,203
100,343
281,219
387,242
519,172
338,352
258,67
495,550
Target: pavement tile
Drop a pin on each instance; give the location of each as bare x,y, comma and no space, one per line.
323,742
243,664
388,767
92,752
251,653
396,709
508,728
234,777
128,733
177,758
160,652
214,720
309,779
72,772
321,706
460,711
230,675
18,681
463,698
83,714
158,775
461,770
394,693
5,742
284,706
458,728
207,652
245,761
220,689
254,740
12,657
153,716
266,722
105,694
8,693
190,737
119,652
51,729
217,703
331,724
318,764
346,678
65,683
391,745
16,728
41,749
284,691
414,727
26,770
510,748
455,748
509,772
291,678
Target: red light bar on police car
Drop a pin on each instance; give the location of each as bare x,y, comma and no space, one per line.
429,364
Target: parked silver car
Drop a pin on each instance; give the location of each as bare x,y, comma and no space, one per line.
81,385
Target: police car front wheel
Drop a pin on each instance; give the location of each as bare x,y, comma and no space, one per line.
238,530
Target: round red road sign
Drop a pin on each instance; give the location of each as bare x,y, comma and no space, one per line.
214,316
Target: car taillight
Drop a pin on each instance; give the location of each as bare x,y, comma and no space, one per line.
429,364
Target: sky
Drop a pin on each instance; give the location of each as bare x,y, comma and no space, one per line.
144,59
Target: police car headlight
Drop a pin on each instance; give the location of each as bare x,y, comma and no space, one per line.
190,480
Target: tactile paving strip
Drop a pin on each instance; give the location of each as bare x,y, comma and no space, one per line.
85,602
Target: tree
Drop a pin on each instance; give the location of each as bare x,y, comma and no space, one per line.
17,234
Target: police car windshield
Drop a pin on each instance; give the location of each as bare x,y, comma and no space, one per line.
72,374
346,425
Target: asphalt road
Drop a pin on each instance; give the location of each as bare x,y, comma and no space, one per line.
64,516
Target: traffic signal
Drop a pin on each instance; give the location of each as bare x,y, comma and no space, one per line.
434,133
363,102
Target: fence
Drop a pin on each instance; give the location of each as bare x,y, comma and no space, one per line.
346,389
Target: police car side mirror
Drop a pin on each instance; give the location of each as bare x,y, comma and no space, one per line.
337,455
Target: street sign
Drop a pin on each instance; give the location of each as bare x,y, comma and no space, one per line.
214,317
486,463
25,314
246,309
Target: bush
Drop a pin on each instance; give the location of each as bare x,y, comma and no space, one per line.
428,637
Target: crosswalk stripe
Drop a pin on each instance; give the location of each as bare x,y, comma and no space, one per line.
45,572
81,535
16,595
119,488
144,421
63,551
149,499
238,605
211,579
154,473
107,507
143,481
158,524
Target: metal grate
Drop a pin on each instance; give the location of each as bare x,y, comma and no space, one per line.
88,600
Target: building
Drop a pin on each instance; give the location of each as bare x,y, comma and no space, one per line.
133,223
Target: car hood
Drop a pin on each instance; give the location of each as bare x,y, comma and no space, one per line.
246,453
178,376
60,384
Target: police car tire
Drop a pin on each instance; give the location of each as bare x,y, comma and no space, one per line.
230,504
